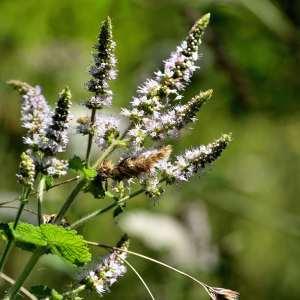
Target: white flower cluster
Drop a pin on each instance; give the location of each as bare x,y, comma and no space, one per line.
36,116
54,167
104,129
103,70
168,124
46,130
102,275
154,111
194,161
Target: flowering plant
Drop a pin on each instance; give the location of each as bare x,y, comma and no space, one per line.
146,166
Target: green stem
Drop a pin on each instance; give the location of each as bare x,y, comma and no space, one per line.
5,254
52,187
105,209
9,245
91,135
93,215
111,148
76,291
106,152
13,291
40,197
69,201
80,185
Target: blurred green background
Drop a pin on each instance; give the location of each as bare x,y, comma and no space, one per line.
238,226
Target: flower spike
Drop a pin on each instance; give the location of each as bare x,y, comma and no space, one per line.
104,68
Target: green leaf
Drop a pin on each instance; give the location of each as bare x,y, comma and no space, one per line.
59,240
29,234
89,173
66,243
76,163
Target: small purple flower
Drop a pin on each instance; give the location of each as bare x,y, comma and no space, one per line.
36,116
104,69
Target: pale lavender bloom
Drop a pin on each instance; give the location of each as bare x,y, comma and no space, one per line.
103,70
163,124
136,137
165,87
194,160
54,167
106,128
103,274
36,117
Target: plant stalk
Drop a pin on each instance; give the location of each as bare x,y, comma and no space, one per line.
40,197
76,291
91,135
13,291
69,201
105,209
9,245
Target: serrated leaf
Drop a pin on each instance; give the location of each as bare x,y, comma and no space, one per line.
28,234
59,240
66,243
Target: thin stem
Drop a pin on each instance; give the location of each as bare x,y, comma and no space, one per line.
9,245
202,284
93,215
56,185
40,197
7,202
22,289
75,291
19,213
106,153
64,182
69,201
5,254
13,291
105,209
111,148
139,276
25,209
91,135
